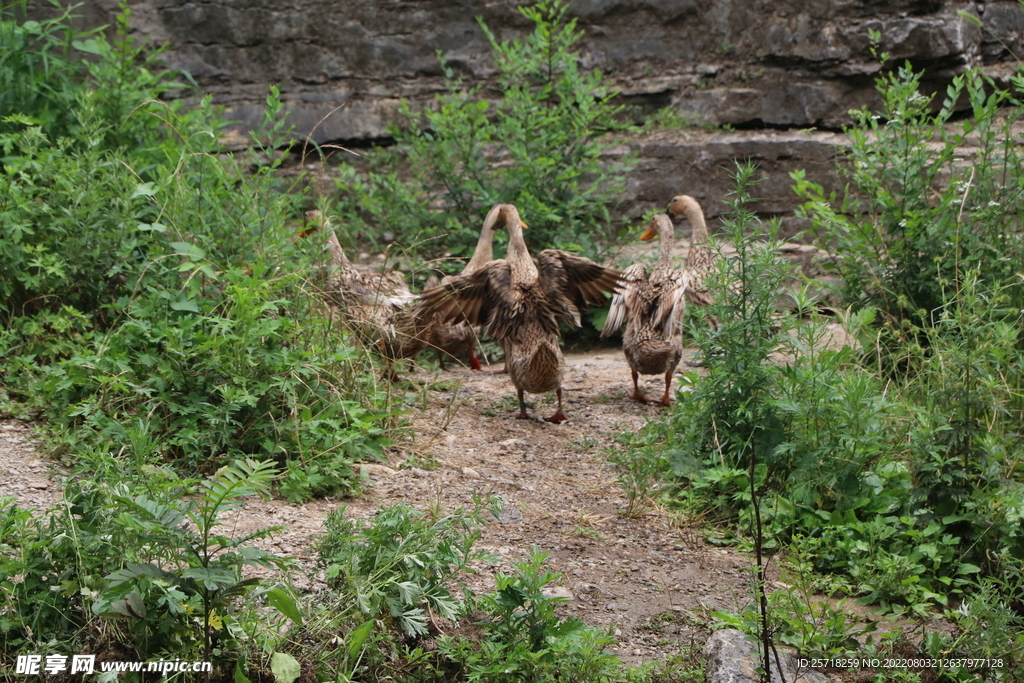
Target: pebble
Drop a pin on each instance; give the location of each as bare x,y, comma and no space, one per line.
558,592
470,472
509,514
376,471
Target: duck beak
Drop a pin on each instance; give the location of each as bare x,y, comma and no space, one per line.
649,234
523,224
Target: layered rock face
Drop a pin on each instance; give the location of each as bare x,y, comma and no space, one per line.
776,63
344,66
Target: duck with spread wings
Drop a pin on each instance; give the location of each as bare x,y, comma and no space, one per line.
651,306
519,303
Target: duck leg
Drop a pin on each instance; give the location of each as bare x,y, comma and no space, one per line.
440,360
559,417
666,400
523,415
474,362
637,395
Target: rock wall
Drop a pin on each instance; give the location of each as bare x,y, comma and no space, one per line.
344,66
772,63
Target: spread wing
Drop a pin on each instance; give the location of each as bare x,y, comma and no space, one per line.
634,277
570,282
472,297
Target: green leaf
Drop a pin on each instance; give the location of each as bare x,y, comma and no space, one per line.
284,667
90,46
283,603
970,17
154,227
184,304
358,637
187,249
144,190
240,676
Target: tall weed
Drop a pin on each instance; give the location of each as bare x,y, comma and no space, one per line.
538,146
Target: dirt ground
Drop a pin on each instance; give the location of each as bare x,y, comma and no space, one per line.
650,580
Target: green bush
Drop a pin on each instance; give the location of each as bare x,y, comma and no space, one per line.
538,147
398,568
37,73
903,491
730,418
130,570
927,200
147,280
525,640
929,235
50,72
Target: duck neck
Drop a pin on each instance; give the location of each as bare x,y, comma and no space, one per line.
338,257
700,228
517,251
665,259
484,252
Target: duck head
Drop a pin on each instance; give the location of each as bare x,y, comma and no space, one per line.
660,225
503,216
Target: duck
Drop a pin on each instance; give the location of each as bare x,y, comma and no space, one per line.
520,303
379,307
702,257
452,338
652,306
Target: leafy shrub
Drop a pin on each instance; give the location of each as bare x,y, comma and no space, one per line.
526,640
801,620
537,147
928,234
922,208
729,419
397,570
37,76
892,489
130,570
46,78
989,626
401,563
155,282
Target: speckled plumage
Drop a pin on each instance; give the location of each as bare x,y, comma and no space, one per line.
519,303
379,307
651,306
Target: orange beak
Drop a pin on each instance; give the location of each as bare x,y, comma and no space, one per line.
523,223
649,234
